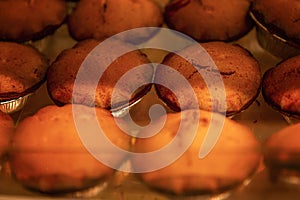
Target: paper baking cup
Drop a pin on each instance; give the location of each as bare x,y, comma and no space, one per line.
14,105
273,43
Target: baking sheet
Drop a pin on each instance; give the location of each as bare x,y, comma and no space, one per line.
262,120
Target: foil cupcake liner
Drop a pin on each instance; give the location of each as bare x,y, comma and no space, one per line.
121,111
274,43
291,119
14,105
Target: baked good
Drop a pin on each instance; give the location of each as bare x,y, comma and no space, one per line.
280,87
278,26
281,154
63,73
233,159
239,70
209,20
22,71
105,18
54,158
30,20
6,130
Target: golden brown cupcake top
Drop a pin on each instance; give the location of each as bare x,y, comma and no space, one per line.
279,16
281,86
63,73
30,19
283,141
239,71
55,158
233,159
104,18
207,20
59,132
281,153
22,69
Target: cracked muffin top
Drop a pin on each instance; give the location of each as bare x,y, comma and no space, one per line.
236,68
25,20
101,19
84,74
279,16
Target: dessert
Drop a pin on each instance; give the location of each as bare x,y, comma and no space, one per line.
99,89
281,154
238,70
278,26
233,159
26,20
281,88
209,20
54,158
22,71
6,131
105,18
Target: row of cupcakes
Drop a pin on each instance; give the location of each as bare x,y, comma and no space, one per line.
65,154
238,70
277,22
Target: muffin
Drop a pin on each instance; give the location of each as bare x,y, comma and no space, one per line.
282,153
30,20
233,159
278,26
106,90
55,158
6,131
105,18
22,71
209,20
237,68
281,88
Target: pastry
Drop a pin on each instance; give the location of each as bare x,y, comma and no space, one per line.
105,18
22,71
209,20
233,159
239,70
281,154
281,87
278,26
26,20
6,130
63,73
48,153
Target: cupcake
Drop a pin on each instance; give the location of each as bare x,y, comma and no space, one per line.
209,20
22,71
105,18
232,161
29,20
281,88
238,70
6,131
103,90
54,159
278,26
282,153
